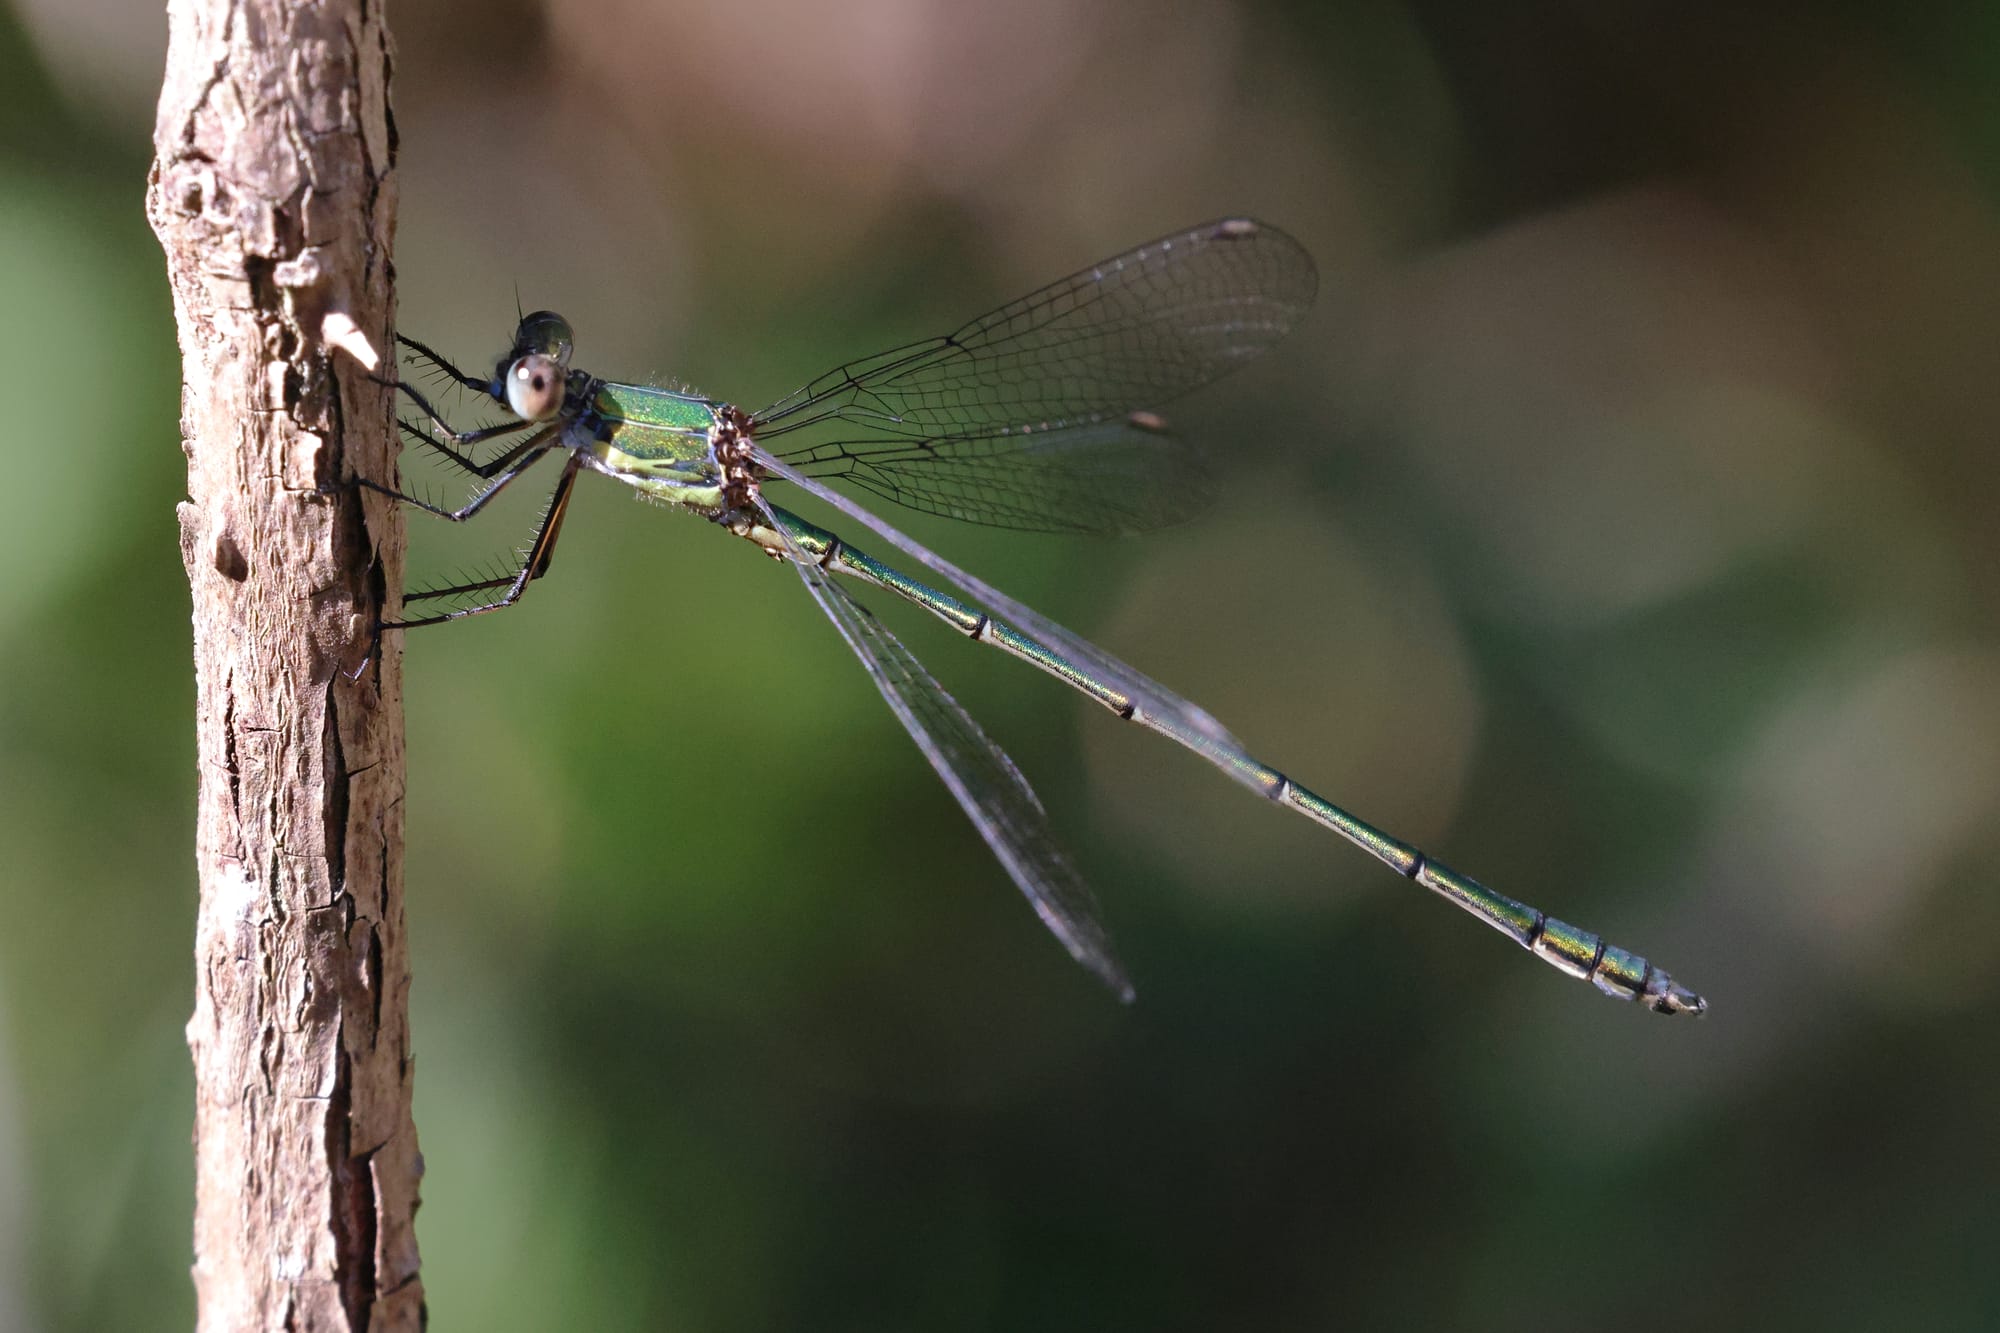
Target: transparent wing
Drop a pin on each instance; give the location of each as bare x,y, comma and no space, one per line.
1109,478
1162,707
994,795
1130,332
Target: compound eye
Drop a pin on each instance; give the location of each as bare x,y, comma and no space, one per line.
535,386
546,332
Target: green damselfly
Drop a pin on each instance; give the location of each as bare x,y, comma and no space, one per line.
1038,415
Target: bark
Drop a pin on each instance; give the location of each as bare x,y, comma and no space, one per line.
273,194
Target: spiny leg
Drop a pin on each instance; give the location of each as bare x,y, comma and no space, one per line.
533,567
437,418
528,453
442,364
416,396
499,471
460,461
514,462
443,440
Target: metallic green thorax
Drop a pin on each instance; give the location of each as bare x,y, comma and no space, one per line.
653,439
640,405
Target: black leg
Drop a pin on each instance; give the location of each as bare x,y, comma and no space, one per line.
479,386
444,365
439,433
515,461
536,564
458,589
464,464
437,418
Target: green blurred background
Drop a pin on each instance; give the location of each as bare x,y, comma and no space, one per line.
1620,526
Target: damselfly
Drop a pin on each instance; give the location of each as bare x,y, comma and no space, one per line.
1036,416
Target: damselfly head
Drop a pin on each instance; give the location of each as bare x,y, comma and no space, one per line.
534,377
546,332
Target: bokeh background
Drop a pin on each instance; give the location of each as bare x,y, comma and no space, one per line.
1620,526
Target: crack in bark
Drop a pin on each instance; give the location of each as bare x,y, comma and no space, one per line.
354,1205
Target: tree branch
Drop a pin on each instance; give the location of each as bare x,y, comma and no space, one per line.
273,194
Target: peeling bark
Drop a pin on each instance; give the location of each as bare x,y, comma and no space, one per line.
273,194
